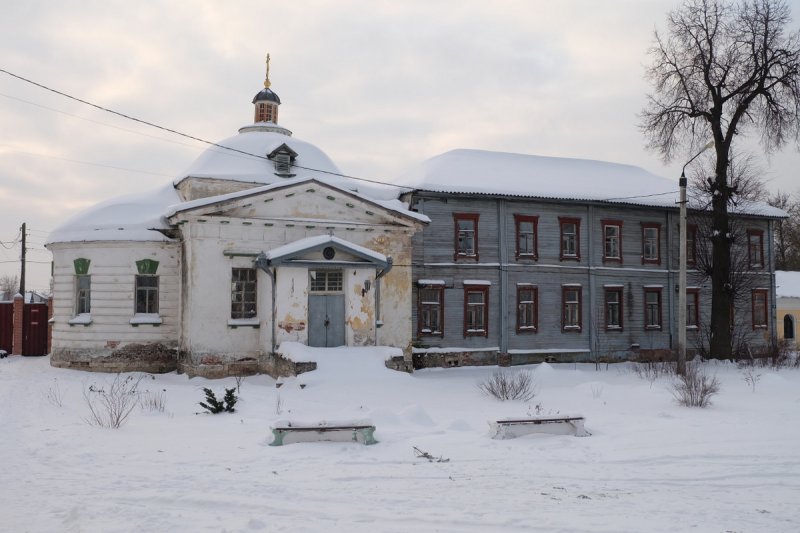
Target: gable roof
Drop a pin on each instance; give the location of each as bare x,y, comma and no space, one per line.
292,250
531,176
395,206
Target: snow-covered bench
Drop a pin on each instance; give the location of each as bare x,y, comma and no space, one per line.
554,425
288,432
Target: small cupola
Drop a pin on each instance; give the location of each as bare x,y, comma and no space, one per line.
283,157
266,102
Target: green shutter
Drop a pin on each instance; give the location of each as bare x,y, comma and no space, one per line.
147,266
81,266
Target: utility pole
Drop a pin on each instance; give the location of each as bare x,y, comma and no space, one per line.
22,260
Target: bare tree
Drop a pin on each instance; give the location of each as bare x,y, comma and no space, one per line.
723,69
787,231
9,285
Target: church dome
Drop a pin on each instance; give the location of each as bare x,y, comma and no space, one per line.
266,95
246,158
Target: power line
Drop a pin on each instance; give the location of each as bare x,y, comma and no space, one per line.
236,150
106,124
85,162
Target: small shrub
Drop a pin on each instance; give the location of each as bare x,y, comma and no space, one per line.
215,406
154,402
54,395
110,406
695,388
653,370
509,385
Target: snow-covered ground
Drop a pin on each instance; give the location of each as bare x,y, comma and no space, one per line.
649,465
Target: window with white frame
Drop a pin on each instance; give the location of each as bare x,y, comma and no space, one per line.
651,242
83,294
527,308
147,294
652,307
571,308
431,310
476,314
612,240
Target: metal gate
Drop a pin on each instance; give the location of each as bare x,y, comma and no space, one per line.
34,329
6,326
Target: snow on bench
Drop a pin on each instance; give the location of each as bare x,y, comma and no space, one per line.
290,432
554,425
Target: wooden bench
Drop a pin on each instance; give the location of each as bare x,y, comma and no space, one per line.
287,432
553,425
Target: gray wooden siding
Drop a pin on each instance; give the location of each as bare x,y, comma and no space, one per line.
433,258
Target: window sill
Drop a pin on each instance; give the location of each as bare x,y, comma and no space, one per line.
652,328
568,329
146,318
692,328
613,328
244,323
526,330
83,319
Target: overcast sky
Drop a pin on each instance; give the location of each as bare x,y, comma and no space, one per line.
378,85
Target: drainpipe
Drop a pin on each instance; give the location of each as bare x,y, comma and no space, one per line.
263,263
378,276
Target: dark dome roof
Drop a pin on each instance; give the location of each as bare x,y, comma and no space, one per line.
266,94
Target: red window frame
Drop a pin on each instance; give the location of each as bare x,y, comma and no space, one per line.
457,252
693,296
656,226
759,234
660,325
620,304
618,224
691,244
534,220
472,332
535,311
440,290
759,293
571,327
569,220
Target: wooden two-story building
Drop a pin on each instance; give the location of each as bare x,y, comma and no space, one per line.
533,258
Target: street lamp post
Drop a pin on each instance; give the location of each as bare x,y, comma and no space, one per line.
682,266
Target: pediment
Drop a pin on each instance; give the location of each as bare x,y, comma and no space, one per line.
307,201
322,249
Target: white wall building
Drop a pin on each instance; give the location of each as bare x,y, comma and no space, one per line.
260,241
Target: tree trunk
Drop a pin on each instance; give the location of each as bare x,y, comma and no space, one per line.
720,345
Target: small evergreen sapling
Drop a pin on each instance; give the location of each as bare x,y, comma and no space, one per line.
215,406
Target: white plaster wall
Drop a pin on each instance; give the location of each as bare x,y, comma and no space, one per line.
292,305
113,271
207,332
207,273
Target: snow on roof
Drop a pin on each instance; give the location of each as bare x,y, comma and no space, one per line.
299,246
220,163
787,284
391,205
508,174
135,217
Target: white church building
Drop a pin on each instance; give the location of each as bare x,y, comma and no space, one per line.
260,241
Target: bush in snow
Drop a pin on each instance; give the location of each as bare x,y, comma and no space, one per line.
54,395
110,406
215,406
652,370
509,385
695,388
154,402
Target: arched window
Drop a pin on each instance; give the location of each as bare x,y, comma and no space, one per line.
788,327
